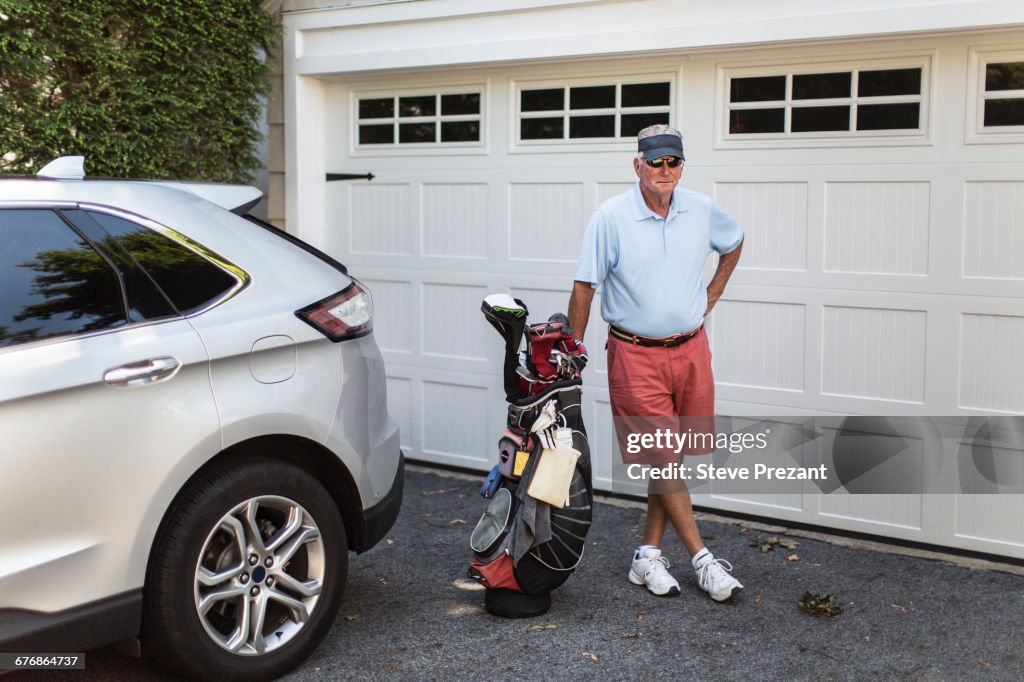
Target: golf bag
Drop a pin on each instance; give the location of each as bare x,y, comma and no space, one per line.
532,535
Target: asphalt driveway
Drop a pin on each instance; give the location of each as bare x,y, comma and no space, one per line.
410,613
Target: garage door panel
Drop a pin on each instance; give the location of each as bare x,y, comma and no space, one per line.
395,321
455,217
760,344
381,219
993,230
877,227
992,518
874,353
545,221
456,428
991,363
774,220
452,323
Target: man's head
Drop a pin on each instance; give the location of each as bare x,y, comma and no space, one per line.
659,160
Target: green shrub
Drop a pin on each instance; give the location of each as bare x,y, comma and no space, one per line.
141,88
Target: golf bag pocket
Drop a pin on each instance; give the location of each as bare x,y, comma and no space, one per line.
492,565
496,575
492,528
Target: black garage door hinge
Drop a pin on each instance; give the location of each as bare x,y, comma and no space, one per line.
349,176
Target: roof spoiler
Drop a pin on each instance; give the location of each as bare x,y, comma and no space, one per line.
235,198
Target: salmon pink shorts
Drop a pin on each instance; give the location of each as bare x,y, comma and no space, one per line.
661,388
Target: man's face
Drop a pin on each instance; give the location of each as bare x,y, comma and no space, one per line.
659,180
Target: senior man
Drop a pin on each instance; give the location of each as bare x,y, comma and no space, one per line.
647,248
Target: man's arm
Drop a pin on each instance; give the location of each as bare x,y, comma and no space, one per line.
726,264
579,307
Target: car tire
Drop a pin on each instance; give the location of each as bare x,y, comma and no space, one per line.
224,601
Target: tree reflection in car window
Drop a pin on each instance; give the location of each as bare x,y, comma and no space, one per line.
188,279
53,282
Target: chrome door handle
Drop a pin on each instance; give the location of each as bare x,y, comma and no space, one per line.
143,372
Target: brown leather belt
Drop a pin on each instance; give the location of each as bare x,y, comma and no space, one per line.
667,342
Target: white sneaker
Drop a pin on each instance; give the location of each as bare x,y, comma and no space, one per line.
651,569
713,577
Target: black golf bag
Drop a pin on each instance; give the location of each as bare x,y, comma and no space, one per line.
523,546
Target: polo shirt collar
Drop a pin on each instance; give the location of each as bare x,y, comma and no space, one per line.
641,211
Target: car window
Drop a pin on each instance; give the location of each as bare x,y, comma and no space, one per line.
188,279
53,282
145,299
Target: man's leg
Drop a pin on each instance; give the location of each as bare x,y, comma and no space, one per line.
694,398
674,508
638,388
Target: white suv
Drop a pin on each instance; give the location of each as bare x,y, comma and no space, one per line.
193,426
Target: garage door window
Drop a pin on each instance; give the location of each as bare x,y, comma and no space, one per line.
418,118
1003,96
833,102
590,112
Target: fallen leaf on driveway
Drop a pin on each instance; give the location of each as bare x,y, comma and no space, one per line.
900,607
352,618
768,544
640,616
820,604
793,557
985,663
757,599
543,627
590,655
457,522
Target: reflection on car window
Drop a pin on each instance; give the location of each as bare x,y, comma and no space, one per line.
53,282
145,300
188,279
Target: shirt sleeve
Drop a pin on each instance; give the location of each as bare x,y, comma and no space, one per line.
726,233
598,250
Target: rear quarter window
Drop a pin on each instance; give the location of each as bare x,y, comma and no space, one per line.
190,281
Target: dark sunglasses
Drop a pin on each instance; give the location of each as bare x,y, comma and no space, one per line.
670,161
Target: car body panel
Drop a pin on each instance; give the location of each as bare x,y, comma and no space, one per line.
56,414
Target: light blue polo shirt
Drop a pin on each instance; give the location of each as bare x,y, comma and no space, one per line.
650,269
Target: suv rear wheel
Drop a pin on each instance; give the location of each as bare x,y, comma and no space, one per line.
247,573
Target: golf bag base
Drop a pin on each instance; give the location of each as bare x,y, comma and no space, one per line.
512,604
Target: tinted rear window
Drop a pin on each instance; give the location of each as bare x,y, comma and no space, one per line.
188,279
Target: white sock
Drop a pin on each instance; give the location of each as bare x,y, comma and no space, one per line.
640,549
700,557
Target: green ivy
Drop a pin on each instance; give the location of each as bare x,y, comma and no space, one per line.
141,88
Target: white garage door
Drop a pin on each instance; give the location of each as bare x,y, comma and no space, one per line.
880,186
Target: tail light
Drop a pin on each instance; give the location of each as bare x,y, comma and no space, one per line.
347,314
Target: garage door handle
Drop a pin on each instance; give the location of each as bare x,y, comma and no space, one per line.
142,373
